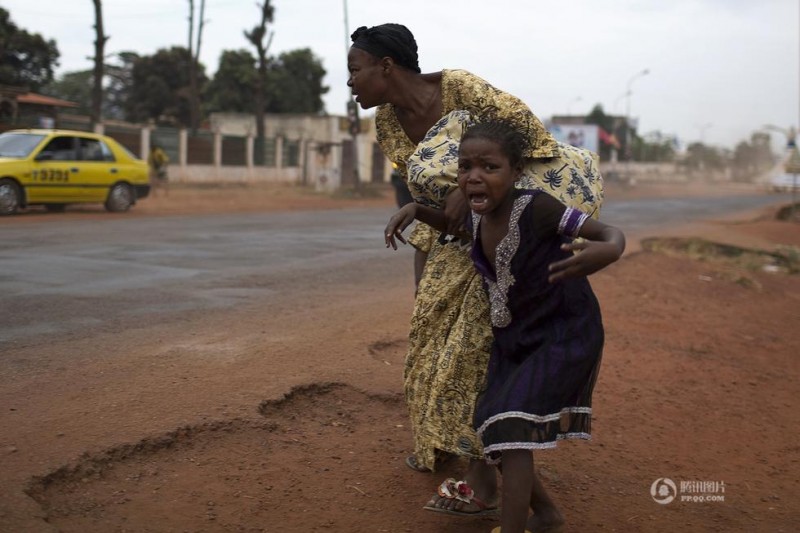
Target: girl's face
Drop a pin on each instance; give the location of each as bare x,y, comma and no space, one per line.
366,80
485,175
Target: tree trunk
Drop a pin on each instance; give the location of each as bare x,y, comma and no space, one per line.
194,59
256,37
99,59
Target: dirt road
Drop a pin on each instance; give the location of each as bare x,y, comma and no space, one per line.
288,416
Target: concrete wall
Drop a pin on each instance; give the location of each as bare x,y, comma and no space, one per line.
321,141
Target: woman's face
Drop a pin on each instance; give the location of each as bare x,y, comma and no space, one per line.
485,174
366,80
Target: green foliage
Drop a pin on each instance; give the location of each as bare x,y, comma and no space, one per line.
294,83
233,84
119,78
75,87
160,87
26,59
597,116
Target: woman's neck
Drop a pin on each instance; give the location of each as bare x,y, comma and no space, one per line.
419,104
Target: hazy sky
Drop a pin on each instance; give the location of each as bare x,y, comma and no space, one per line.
718,69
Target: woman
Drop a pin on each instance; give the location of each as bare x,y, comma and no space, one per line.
450,337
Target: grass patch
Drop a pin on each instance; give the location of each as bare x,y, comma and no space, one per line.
785,259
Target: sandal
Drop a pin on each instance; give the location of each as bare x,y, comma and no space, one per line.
450,489
440,459
412,463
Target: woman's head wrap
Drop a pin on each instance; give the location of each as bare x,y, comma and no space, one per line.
389,40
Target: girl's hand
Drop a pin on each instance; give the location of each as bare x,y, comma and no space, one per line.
593,256
398,223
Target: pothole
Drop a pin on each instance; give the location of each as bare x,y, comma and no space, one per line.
317,458
390,352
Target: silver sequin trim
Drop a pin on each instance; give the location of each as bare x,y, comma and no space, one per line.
498,291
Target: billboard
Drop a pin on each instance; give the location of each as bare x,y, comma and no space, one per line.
580,135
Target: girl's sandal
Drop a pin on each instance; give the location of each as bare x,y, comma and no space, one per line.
450,489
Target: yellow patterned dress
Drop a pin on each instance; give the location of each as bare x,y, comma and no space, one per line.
450,337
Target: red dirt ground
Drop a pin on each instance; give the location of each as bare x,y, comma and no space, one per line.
296,423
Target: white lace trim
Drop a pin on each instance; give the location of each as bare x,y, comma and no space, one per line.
530,417
530,445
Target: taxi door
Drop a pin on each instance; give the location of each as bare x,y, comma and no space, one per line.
97,170
52,172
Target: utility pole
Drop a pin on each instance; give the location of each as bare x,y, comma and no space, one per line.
628,137
353,121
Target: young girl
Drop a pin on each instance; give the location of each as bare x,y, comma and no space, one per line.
548,333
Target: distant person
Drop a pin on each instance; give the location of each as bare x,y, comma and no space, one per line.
158,160
546,321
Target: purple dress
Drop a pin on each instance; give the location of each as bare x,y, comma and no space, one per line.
548,338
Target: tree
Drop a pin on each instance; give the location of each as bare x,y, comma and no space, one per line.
234,83
256,37
750,159
160,87
194,60
75,87
599,118
295,83
26,59
119,80
99,59
702,157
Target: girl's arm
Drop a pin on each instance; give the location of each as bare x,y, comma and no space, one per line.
406,215
604,244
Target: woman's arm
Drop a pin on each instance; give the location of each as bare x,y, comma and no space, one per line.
603,246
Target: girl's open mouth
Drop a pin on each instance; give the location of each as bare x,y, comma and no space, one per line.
477,201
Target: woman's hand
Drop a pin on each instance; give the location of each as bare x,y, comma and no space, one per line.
456,211
592,256
398,223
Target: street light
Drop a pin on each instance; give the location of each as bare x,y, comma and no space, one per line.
618,100
628,93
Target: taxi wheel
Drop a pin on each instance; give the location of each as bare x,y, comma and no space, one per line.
120,198
10,197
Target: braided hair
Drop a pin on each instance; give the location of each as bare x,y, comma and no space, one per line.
389,40
510,141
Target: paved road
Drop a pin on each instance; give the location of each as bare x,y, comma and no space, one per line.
79,277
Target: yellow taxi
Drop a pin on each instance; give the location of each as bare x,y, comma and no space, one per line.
59,167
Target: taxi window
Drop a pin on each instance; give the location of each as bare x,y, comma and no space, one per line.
94,150
18,144
59,149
